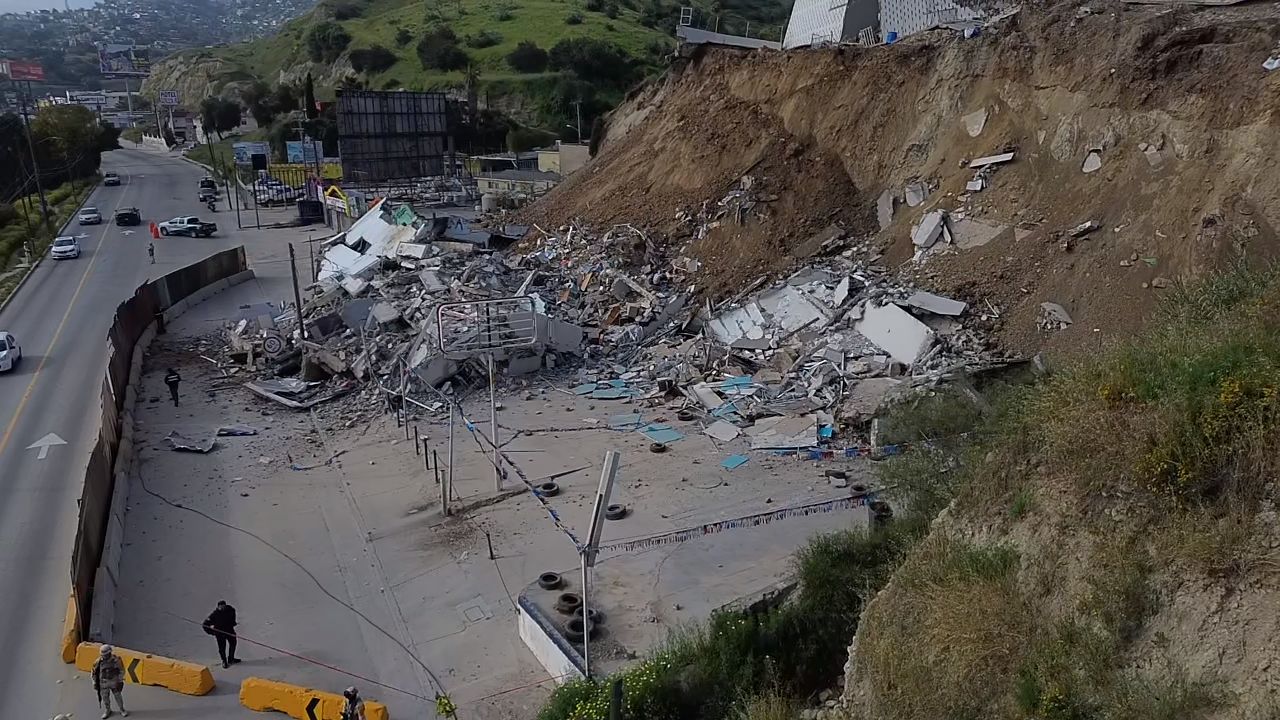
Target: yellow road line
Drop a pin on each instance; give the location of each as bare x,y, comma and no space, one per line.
26,396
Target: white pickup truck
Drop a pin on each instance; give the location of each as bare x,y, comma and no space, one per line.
189,225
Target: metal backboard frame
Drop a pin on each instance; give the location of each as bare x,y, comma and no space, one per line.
391,135
482,326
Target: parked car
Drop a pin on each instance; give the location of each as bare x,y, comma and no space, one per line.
65,247
110,179
89,216
189,225
10,353
128,216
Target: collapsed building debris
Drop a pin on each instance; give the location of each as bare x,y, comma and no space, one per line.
399,308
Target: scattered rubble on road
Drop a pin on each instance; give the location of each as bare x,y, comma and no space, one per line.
788,363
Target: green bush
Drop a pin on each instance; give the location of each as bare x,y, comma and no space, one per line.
483,39
527,58
326,41
747,664
439,50
573,18
372,59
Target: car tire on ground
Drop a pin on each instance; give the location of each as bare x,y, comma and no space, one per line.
164,231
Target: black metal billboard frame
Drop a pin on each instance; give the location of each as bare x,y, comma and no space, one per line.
391,135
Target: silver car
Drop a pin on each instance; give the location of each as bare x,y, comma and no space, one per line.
89,216
65,247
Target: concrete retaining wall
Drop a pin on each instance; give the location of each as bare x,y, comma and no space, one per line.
561,662
106,583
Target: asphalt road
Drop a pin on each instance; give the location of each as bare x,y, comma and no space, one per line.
60,319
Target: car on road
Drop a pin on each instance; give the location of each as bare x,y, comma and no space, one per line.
10,353
110,179
89,216
188,225
208,183
65,247
207,194
128,216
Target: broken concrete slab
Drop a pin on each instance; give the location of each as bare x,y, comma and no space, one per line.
936,304
1085,228
974,122
866,396
236,430
916,193
185,443
355,287
781,433
991,160
385,313
926,234
722,431
431,281
524,365
1092,162
895,331
884,208
970,233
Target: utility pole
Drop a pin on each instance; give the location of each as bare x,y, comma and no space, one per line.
297,301
35,164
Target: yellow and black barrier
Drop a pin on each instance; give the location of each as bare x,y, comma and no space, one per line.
70,631
146,669
299,702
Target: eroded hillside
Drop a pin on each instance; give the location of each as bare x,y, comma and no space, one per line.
1174,101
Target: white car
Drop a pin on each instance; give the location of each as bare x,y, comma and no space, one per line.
65,247
10,353
89,216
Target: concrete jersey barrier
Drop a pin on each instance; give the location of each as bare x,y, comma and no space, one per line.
298,702
146,669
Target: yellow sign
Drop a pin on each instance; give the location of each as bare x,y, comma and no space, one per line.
336,199
328,171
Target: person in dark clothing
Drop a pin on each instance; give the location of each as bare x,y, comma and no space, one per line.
221,624
172,378
353,708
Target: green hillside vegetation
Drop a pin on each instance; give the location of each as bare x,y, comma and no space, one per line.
431,44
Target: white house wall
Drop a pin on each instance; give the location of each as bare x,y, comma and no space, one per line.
912,16
813,22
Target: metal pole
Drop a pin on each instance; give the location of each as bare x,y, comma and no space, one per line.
493,426
586,619
416,449
615,700
489,539
448,475
128,96
35,164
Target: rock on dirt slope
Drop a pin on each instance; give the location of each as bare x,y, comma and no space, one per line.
1174,100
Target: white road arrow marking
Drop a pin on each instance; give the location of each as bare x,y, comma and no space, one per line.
126,232
44,444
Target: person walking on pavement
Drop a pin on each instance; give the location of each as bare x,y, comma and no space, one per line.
108,680
354,709
151,251
221,624
172,378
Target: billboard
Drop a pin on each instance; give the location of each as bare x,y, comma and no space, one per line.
124,60
21,70
302,151
88,99
391,135
243,152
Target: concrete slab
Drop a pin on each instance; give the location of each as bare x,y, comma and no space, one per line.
896,332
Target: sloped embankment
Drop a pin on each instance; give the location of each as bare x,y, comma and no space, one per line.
1112,549
1175,101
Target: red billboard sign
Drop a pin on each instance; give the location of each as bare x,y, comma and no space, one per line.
21,70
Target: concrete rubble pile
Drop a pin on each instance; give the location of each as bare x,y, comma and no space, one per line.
785,363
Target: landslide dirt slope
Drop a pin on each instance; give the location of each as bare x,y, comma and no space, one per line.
826,131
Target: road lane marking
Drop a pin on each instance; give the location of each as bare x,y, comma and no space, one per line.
45,443
57,333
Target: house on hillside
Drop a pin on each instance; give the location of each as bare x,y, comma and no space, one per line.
868,22
564,158
516,182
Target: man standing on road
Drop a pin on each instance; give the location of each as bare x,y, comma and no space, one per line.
221,624
172,378
354,709
108,680
151,251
